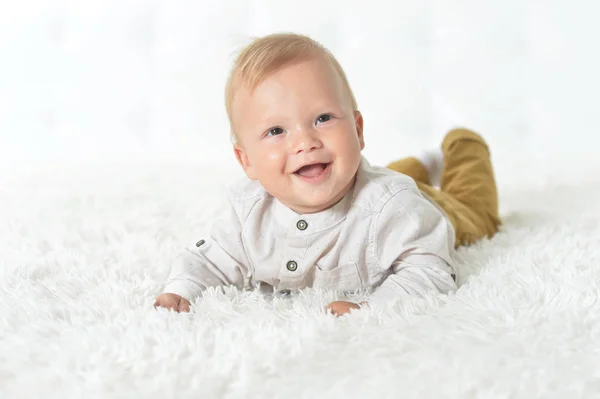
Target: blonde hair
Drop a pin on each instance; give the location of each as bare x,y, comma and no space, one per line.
265,54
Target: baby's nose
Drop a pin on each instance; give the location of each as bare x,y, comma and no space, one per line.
307,141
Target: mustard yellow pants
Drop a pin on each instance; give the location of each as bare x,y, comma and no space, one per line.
467,190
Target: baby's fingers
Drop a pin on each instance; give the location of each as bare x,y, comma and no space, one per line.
184,306
172,302
339,308
167,303
332,307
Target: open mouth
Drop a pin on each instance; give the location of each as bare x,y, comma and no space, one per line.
312,171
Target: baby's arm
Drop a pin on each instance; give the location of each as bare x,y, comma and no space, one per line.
413,241
217,260
210,265
415,275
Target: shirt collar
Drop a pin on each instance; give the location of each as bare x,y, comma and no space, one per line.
310,223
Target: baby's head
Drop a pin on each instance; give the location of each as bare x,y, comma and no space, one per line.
294,120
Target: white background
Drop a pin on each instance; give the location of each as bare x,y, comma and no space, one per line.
143,79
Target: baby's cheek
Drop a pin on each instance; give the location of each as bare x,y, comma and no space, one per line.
271,161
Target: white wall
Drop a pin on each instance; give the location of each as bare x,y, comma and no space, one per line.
144,78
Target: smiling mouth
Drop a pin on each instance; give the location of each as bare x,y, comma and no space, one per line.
312,171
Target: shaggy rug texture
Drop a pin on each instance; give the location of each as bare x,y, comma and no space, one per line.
84,251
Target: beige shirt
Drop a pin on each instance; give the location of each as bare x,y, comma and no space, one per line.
384,235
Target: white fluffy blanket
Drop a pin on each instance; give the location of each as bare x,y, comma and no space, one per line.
84,251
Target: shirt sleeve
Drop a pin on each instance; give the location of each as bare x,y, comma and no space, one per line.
220,261
413,242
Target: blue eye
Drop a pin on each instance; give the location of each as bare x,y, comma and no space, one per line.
324,118
274,131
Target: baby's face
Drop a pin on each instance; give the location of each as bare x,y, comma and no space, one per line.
299,136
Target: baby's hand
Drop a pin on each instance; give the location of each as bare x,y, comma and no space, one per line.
339,308
172,302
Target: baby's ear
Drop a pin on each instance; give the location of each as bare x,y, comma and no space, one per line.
242,157
358,120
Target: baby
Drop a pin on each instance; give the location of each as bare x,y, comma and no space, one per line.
312,211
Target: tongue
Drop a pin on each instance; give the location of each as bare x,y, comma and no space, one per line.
311,170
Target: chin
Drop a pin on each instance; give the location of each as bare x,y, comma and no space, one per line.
316,204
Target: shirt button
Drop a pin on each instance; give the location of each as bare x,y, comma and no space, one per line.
200,243
292,266
301,225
